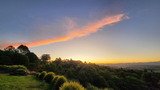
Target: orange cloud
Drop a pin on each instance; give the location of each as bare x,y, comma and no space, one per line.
80,32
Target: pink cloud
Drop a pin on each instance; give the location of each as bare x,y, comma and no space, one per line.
77,32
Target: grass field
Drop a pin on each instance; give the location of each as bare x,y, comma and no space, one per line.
8,82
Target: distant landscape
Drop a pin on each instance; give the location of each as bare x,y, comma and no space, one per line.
155,66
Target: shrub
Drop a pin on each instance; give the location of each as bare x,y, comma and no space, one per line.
54,80
14,69
42,75
4,68
49,76
60,80
71,86
19,72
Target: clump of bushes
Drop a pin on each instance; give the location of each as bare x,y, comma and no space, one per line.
59,82
71,86
14,69
49,76
42,75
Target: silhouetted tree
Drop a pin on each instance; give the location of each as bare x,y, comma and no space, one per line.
45,57
23,49
9,48
32,57
33,61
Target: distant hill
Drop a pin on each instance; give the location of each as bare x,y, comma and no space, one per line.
142,65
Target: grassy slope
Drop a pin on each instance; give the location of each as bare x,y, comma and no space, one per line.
8,82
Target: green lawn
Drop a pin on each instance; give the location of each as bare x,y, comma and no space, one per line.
8,82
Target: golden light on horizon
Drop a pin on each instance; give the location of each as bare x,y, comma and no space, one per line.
109,60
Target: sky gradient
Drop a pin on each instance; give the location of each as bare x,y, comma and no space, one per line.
98,31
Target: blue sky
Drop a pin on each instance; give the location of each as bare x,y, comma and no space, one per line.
136,39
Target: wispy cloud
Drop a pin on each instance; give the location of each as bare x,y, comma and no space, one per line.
77,32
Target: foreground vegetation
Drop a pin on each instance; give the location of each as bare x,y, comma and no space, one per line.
9,82
58,81
64,74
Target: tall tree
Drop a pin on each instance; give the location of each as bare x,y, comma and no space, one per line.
45,57
9,48
23,49
32,57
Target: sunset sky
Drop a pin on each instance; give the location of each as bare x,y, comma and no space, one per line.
98,31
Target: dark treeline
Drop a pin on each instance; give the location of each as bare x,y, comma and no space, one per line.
19,56
88,74
22,56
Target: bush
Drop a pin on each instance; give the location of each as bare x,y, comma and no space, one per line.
60,80
72,86
4,68
19,72
49,76
42,75
54,80
14,69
